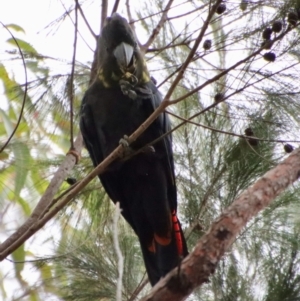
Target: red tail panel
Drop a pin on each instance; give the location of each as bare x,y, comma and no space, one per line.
178,237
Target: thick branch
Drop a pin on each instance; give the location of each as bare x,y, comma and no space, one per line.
202,262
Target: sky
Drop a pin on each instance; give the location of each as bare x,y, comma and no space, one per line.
34,16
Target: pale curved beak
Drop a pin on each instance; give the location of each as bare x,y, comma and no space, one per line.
123,53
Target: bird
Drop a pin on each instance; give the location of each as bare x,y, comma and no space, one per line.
122,96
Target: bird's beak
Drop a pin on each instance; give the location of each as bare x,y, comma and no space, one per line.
123,53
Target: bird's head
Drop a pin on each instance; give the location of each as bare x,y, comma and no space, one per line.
119,56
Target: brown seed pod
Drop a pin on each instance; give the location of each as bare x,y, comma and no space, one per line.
270,56
207,44
292,18
219,97
288,148
249,132
267,33
71,181
221,9
277,26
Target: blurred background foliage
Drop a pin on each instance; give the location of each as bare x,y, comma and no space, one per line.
73,257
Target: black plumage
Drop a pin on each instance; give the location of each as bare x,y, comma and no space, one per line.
116,104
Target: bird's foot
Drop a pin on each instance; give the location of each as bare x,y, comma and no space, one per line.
124,141
127,89
125,144
149,149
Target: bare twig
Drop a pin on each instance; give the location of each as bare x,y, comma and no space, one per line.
201,263
156,30
67,12
229,133
115,8
224,72
103,13
71,82
138,289
118,252
193,50
25,90
85,20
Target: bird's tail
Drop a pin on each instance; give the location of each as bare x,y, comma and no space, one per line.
160,258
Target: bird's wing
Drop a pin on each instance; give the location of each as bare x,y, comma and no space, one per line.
163,126
95,142
92,136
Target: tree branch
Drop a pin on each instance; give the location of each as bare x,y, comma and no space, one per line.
193,50
26,230
156,30
202,262
70,83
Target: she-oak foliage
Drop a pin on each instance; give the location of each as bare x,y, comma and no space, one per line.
214,161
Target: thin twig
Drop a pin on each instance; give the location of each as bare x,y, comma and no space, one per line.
193,51
156,30
118,252
115,8
86,21
131,22
25,90
226,132
67,12
138,289
71,82
218,76
103,13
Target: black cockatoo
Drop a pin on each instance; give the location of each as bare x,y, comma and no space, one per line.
116,104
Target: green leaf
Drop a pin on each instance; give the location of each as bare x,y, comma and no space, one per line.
15,27
3,156
19,256
34,296
26,47
46,272
2,288
9,127
22,161
11,87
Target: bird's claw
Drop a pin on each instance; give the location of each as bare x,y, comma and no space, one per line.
125,144
127,89
124,141
149,149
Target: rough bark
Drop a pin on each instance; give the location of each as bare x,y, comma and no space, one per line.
202,262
